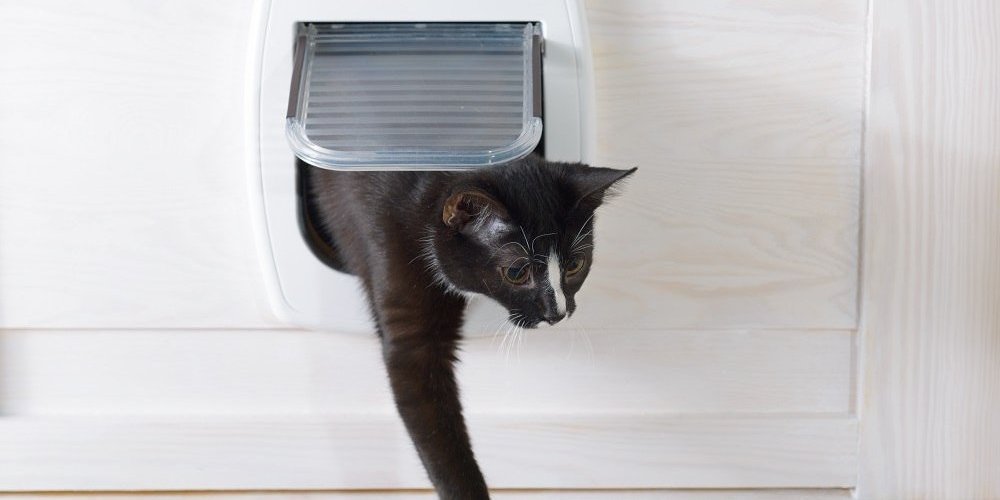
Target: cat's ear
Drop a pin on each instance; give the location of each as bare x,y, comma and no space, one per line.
472,210
592,184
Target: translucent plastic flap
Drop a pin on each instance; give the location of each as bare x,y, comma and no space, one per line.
369,96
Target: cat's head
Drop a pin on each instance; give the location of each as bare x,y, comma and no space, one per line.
521,234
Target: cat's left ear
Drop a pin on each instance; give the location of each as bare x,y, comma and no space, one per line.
592,184
473,211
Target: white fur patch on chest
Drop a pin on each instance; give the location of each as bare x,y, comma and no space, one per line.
555,282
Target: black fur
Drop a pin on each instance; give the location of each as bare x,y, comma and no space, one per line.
419,240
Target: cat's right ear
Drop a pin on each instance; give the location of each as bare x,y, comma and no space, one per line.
593,183
473,211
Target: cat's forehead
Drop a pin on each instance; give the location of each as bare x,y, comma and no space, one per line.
554,219
532,188
519,240
542,203
547,234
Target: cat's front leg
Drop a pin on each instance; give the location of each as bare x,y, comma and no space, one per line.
419,339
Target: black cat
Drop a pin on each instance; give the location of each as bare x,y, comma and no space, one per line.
520,233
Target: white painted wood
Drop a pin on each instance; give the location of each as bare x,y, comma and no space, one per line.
760,494
931,328
370,451
745,121
122,192
122,200
298,373
712,346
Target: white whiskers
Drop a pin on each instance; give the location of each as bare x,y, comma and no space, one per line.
525,250
526,242
496,330
580,235
512,336
532,245
576,333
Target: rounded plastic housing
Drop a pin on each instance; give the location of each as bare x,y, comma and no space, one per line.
415,96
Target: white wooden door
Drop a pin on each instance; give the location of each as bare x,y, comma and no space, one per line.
724,345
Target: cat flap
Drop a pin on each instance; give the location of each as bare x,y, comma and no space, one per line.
415,96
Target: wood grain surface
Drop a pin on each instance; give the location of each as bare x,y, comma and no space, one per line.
137,350
931,328
233,373
122,186
371,451
745,121
122,200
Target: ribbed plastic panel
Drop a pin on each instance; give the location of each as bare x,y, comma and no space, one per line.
415,96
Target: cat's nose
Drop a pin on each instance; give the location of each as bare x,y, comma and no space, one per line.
552,317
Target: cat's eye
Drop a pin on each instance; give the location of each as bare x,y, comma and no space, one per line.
517,275
575,265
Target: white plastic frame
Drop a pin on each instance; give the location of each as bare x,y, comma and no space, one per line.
301,289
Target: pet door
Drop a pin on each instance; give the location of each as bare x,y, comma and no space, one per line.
398,85
415,96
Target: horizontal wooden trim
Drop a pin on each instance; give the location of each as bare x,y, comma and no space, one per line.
185,372
372,451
